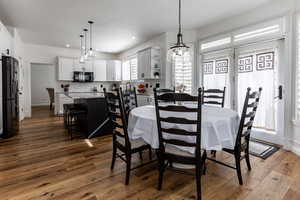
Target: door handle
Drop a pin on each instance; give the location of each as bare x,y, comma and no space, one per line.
280,92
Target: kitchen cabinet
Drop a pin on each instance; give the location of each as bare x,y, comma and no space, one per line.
89,66
144,100
113,70
149,63
65,69
100,70
77,66
104,70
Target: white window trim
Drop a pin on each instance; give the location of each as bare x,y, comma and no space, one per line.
296,120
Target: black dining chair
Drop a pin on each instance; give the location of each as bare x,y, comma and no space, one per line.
168,152
121,140
214,97
161,91
243,134
129,100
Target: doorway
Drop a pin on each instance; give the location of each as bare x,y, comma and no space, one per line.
42,77
253,65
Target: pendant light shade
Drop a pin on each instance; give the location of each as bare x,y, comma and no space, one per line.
91,52
81,59
180,48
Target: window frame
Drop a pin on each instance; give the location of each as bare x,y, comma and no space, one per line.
193,59
129,59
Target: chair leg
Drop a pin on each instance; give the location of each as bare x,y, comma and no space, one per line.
141,155
198,181
128,167
247,157
161,169
51,106
114,155
150,153
238,168
213,153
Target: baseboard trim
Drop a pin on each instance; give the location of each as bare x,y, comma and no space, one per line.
42,104
295,147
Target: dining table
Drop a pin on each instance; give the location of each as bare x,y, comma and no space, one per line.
219,126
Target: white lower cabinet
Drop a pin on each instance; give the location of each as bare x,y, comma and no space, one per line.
60,100
144,100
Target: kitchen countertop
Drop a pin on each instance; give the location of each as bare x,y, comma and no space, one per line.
83,95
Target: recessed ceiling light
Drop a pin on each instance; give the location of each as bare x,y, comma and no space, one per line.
68,46
133,37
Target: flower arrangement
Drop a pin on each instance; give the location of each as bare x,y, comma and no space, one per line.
65,87
180,87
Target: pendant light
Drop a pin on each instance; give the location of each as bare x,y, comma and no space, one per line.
91,53
81,59
179,49
85,44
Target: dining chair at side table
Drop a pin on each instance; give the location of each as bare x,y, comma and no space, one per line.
51,96
243,134
214,97
121,140
129,100
168,153
161,91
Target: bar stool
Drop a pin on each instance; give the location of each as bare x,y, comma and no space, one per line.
72,112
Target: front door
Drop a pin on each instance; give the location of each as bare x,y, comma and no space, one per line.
257,66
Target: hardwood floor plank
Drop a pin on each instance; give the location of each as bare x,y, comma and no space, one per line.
41,163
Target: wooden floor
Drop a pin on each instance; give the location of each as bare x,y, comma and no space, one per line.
42,163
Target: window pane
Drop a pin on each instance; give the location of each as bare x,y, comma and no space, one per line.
133,69
183,72
126,70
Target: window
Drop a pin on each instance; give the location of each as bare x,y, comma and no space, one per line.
129,69
126,70
182,67
133,69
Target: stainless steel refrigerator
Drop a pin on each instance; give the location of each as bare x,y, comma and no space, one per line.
9,93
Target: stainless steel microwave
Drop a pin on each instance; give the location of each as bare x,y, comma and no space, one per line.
79,76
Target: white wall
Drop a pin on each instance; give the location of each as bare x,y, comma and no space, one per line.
42,77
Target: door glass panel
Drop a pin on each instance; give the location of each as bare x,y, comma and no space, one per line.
257,68
216,73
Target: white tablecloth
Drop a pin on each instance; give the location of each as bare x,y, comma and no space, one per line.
219,127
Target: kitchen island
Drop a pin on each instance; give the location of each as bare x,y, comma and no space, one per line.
96,122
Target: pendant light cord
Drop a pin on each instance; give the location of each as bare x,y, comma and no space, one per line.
85,38
180,16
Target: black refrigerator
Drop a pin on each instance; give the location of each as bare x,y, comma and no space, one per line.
10,100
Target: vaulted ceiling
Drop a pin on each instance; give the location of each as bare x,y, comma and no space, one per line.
119,24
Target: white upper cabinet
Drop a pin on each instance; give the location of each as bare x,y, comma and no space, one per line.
65,69
100,70
89,66
149,63
104,70
114,70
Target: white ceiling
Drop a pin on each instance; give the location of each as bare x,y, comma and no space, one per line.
59,22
